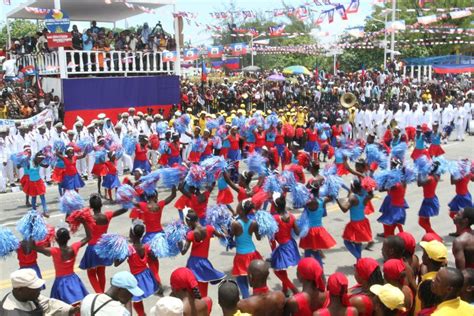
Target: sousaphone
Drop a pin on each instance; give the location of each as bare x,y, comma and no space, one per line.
348,100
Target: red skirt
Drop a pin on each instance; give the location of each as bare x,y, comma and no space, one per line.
369,208
194,156
24,180
242,262
163,161
33,188
317,238
435,150
225,196
411,132
223,152
57,175
269,144
99,170
182,202
341,169
417,153
358,231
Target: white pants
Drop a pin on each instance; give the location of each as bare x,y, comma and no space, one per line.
153,156
10,172
466,124
360,132
81,166
380,131
45,174
459,130
3,178
127,162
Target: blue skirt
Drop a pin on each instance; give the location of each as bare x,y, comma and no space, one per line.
460,201
234,154
148,237
393,215
72,182
429,207
204,157
91,260
111,181
280,148
174,159
203,270
285,256
385,204
69,289
147,283
37,270
142,164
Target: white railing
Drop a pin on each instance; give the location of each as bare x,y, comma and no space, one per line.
99,62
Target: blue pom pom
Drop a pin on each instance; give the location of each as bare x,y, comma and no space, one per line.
267,225
8,242
214,166
387,179
288,179
212,124
161,127
443,165
331,186
163,148
400,150
423,166
218,216
256,163
271,121
329,170
300,195
303,223
171,177
70,201
125,195
159,246
148,182
113,247
272,184
175,232
32,226
100,156
86,146
409,174
20,159
459,168
181,123
355,153
375,155
129,143
196,176
59,146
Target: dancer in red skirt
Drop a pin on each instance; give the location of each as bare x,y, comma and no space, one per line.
435,149
314,295
111,180
242,229
32,184
317,237
197,200
100,169
243,187
358,229
420,149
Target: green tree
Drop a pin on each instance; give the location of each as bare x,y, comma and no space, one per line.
18,29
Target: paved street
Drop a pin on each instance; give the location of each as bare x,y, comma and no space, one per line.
337,259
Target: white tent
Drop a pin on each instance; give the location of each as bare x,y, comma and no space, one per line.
88,10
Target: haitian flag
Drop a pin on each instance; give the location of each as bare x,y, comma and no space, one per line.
353,7
330,14
276,30
342,11
320,18
203,72
217,64
232,63
215,51
169,56
191,54
238,49
253,31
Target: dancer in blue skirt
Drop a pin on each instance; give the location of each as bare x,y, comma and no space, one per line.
199,239
430,205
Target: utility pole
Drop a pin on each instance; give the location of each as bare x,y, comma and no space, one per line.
392,39
385,43
61,52
251,49
177,36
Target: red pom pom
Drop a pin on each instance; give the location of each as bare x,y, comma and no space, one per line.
78,217
259,198
46,242
368,184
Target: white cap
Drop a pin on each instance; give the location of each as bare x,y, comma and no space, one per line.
26,278
168,306
101,116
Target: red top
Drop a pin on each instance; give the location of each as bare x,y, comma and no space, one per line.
98,230
199,207
140,152
326,312
111,167
259,139
26,260
284,229
430,187
397,193
136,263
462,186
234,142
312,135
242,194
152,220
70,166
209,147
280,138
201,248
61,266
304,308
174,149
336,130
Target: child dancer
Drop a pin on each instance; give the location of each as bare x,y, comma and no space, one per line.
420,149
71,178
286,254
199,239
91,262
317,237
462,199
435,149
67,286
32,184
111,180
141,155
99,169
430,205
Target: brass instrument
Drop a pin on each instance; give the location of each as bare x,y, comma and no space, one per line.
348,100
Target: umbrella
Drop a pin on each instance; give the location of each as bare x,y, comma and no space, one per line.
296,70
251,68
276,78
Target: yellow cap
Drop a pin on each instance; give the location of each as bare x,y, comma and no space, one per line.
390,296
189,110
242,106
232,112
435,250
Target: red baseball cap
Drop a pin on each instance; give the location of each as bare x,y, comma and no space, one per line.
365,267
183,279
